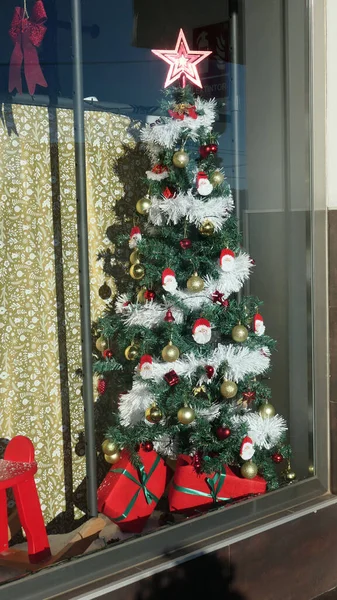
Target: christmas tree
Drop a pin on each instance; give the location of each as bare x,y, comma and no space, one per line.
192,352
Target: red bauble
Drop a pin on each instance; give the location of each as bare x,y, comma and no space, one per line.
149,295
171,378
222,433
101,386
225,303
148,446
205,150
169,192
277,457
252,261
213,148
249,396
185,243
169,318
107,353
196,461
209,371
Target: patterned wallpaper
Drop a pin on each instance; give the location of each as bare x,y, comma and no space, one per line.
40,395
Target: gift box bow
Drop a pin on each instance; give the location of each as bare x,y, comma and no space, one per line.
141,483
215,484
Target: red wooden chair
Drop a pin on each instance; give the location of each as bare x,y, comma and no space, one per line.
17,471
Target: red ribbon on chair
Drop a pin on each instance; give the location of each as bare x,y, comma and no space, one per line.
27,34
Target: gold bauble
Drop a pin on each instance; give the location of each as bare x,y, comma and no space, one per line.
143,205
239,333
101,344
206,229
195,283
112,459
249,470
180,159
311,470
147,414
290,475
186,415
217,178
228,389
267,411
137,271
131,352
134,257
109,447
155,415
170,353
140,295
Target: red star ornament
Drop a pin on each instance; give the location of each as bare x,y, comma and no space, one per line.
183,62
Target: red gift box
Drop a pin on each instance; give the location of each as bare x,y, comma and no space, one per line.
128,495
190,489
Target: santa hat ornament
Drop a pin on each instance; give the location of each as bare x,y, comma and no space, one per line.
227,258
168,280
146,366
135,237
157,173
204,185
201,331
247,448
258,325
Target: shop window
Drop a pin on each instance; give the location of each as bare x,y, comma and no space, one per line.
258,76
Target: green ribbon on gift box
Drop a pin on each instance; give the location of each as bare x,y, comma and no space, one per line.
143,479
215,483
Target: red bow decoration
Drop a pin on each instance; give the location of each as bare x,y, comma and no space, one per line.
218,298
181,110
27,34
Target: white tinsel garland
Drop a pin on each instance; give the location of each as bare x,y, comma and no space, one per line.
209,413
241,362
122,304
151,313
167,132
227,283
193,208
166,446
265,433
133,404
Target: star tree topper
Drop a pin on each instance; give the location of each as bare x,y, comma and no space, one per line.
183,62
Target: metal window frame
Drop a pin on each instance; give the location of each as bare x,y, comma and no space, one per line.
254,515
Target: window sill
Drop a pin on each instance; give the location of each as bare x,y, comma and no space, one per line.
116,566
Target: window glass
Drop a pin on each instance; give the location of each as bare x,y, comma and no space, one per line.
258,76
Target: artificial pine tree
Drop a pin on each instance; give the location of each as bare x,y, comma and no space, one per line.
192,352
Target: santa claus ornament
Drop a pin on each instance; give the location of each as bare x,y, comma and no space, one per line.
135,237
247,448
227,258
202,331
146,366
168,280
258,325
158,173
204,186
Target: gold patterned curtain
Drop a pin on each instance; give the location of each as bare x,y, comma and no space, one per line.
40,394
